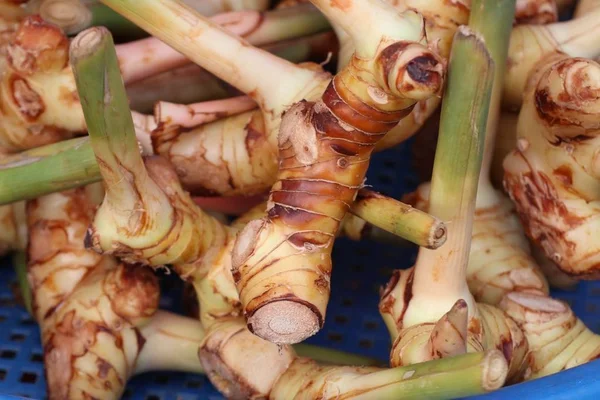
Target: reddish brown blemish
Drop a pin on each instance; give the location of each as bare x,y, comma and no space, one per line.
341,4
30,104
564,174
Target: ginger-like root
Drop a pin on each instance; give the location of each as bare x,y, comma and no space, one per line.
36,87
500,258
282,263
529,44
97,317
557,339
553,174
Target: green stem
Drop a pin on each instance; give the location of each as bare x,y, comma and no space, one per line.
484,18
47,169
19,261
324,355
118,25
107,115
400,219
441,274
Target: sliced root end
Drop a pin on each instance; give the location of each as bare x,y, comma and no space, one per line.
284,322
495,370
438,236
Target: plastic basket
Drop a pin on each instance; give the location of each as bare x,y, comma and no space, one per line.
353,323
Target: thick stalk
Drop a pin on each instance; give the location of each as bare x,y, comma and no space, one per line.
146,216
441,274
553,176
282,263
258,28
223,54
48,169
191,115
454,377
496,38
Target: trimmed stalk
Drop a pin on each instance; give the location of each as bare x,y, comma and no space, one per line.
460,376
191,115
47,169
282,263
531,43
536,12
552,175
558,340
400,219
424,307
555,276
145,216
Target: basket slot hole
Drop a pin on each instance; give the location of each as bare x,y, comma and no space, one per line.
28,321
389,164
161,379
385,179
347,302
8,354
2,318
37,357
2,374
365,343
193,384
335,337
340,319
153,397
127,394
28,377
17,337
357,268
371,325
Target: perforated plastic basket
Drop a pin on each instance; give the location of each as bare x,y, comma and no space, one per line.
353,323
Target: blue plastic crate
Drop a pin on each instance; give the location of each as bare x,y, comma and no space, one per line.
353,323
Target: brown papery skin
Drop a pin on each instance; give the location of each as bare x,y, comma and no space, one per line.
282,263
35,85
553,174
89,307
